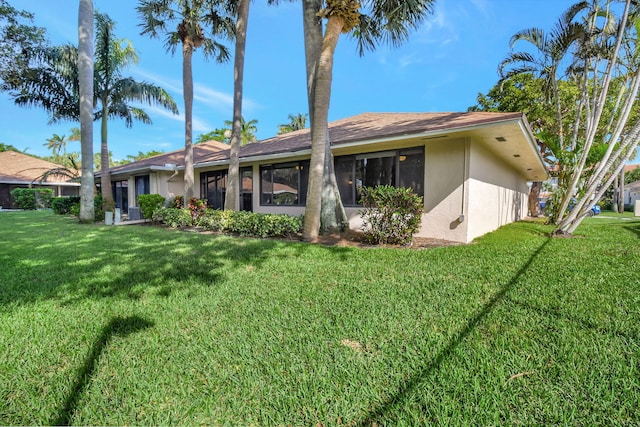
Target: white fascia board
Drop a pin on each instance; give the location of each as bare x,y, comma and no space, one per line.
50,183
151,168
252,159
424,135
528,133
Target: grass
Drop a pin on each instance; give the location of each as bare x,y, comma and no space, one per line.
142,325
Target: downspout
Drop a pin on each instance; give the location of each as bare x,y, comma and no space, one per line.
175,171
464,179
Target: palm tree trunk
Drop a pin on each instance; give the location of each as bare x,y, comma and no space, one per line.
534,195
187,84
320,128
232,200
85,82
105,169
621,198
332,213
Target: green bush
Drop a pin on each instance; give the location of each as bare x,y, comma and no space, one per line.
74,206
215,220
250,223
173,217
391,215
149,203
32,198
62,205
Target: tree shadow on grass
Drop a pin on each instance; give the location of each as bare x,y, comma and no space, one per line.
118,326
635,229
404,391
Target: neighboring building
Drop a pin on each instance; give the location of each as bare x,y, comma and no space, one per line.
472,169
21,170
631,193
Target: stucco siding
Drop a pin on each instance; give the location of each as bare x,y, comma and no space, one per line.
445,195
497,193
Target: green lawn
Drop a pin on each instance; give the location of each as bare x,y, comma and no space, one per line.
146,326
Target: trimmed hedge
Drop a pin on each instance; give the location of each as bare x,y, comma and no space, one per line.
173,217
32,198
149,203
62,205
242,223
98,215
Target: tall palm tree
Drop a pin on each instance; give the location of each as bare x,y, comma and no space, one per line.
115,92
85,86
373,21
247,130
193,24
552,49
296,122
232,199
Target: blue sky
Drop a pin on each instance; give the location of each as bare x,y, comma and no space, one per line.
444,65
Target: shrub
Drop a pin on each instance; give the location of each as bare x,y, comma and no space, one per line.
391,215
149,203
73,204
196,208
250,223
173,217
215,220
62,205
32,198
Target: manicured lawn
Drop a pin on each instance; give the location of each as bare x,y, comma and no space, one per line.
146,326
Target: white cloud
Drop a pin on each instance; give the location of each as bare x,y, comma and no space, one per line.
202,93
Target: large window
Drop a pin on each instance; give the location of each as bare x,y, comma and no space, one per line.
284,184
402,168
213,187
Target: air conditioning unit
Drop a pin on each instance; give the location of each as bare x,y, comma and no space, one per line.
134,213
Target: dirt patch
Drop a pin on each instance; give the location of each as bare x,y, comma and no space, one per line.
352,238
349,238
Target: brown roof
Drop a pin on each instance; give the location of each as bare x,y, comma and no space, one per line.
358,128
200,152
629,168
21,168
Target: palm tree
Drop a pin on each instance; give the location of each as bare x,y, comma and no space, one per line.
193,24
552,48
55,144
389,20
232,198
296,122
85,86
247,130
115,92
219,134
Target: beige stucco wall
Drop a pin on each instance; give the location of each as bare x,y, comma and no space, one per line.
445,196
497,193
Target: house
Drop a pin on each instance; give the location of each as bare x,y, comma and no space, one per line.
19,170
471,168
631,193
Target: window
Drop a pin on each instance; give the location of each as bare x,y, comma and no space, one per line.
404,168
284,184
213,187
120,191
142,185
